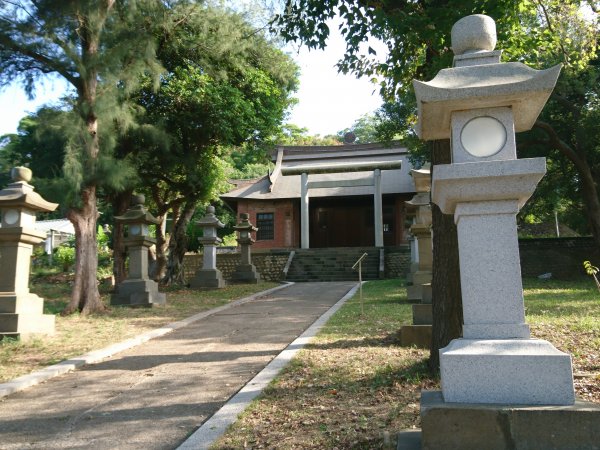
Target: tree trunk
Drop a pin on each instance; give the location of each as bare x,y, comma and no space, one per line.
85,296
446,294
178,245
158,267
120,203
589,192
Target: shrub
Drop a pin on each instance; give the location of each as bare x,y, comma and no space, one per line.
65,256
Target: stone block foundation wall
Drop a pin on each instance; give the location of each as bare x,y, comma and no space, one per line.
397,261
270,265
563,257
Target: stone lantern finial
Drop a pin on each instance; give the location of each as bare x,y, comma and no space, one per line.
473,34
21,174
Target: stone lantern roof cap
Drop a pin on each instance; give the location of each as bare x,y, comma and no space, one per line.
210,220
481,81
20,193
245,224
422,179
137,213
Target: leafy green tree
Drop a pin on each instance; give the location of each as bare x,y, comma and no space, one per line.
100,48
365,129
39,144
291,134
231,91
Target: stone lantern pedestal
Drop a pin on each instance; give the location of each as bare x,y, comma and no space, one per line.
209,276
138,289
21,312
245,272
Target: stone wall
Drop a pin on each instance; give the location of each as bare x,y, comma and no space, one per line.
563,257
269,264
397,261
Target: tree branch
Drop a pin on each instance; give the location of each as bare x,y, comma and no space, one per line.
555,141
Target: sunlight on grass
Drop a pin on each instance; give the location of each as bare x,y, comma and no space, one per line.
353,384
348,388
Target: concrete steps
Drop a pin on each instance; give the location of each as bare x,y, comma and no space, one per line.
333,264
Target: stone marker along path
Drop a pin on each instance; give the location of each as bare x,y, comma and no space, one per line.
155,395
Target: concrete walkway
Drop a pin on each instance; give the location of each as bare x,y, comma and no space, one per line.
155,395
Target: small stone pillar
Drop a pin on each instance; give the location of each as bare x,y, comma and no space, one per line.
21,312
497,382
209,276
138,289
419,333
245,271
420,290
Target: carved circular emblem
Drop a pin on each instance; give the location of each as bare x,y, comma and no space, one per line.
11,216
483,136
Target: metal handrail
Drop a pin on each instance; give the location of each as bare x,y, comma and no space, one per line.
359,260
359,263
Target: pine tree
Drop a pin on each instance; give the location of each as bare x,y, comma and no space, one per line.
100,47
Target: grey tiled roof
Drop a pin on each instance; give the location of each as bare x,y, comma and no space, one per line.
277,186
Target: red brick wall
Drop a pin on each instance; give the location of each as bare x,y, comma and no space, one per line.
285,232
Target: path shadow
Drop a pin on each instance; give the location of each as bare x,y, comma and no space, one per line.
385,341
143,362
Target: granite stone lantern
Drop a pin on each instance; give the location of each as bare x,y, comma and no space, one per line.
21,312
245,272
497,382
419,333
420,289
209,276
138,289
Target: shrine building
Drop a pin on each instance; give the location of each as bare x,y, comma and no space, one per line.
348,195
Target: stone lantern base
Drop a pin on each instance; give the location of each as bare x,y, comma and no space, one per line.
466,426
419,333
138,293
21,316
207,278
245,273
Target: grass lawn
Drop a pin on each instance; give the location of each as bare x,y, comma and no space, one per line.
354,387
76,334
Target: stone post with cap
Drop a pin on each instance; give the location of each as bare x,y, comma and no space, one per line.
245,272
420,288
209,276
419,333
500,387
138,289
21,312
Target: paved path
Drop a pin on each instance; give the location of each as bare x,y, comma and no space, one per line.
155,395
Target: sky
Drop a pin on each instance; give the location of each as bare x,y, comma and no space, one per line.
328,102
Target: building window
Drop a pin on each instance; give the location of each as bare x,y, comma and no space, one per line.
265,222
